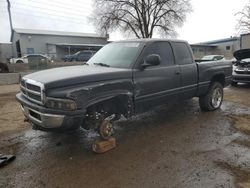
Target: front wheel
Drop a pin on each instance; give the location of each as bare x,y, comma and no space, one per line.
102,123
213,99
106,129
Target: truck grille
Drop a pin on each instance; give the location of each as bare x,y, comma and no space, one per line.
32,90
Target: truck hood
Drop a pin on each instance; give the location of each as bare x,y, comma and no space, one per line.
66,76
242,54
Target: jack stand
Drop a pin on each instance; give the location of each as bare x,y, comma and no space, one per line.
102,146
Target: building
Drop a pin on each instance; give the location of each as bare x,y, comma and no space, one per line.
5,52
201,50
245,41
224,47
55,44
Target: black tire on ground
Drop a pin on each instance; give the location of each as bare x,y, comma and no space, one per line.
19,61
213,99
233,83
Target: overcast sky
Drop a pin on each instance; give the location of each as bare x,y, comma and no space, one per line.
210,19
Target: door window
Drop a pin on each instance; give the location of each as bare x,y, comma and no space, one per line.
163,49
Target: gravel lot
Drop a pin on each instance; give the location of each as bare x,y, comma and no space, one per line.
173,146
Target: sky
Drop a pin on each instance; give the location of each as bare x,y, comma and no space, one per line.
210,19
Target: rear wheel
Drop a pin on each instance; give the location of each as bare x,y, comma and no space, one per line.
213,99
19,61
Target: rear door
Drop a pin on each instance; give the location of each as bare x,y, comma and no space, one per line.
189,69
158,84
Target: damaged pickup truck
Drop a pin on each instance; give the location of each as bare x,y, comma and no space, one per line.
122,79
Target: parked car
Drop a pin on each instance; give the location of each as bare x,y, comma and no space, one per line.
80,56
213,58
241,67
121,80
31,57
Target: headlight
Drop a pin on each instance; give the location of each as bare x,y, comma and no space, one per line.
63,104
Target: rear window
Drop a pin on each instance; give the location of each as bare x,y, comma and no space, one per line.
182,53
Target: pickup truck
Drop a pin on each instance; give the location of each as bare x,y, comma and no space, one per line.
122,79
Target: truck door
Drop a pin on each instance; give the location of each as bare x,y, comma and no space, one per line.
189,71
157,84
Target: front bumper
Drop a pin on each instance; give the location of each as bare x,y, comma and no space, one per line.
43,120
243,78
50,118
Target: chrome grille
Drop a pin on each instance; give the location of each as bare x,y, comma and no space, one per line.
242,70
32,90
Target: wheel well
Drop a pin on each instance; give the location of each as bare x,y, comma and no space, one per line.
219,78
119,105
19,61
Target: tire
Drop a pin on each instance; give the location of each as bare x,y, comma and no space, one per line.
213,99
19,61
233,83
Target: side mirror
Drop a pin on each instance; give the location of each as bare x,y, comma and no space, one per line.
152,60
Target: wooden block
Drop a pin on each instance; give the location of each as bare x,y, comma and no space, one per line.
102,146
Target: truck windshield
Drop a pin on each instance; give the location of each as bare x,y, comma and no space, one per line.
117,55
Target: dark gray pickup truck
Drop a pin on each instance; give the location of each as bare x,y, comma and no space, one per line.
122,79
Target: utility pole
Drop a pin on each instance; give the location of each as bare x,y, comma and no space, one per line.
11,27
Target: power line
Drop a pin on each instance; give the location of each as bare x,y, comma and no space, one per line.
50,10
64,8
54,15
46,17
54,4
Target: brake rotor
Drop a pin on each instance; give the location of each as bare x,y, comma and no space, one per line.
106,129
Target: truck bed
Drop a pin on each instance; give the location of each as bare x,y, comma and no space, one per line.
209,69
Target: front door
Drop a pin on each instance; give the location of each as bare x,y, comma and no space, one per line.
156,85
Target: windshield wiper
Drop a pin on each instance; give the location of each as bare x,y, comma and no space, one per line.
102,64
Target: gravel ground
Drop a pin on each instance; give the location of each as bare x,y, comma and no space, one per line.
173,146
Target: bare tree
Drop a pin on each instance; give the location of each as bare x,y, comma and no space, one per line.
141,18
243,25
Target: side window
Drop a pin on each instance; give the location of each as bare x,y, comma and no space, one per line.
163,49
182,53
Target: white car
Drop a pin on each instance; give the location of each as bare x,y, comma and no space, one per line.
27,58
213,58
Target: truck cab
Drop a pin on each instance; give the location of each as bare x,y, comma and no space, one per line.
124,78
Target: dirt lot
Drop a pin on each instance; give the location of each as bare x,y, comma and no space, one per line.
174,146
